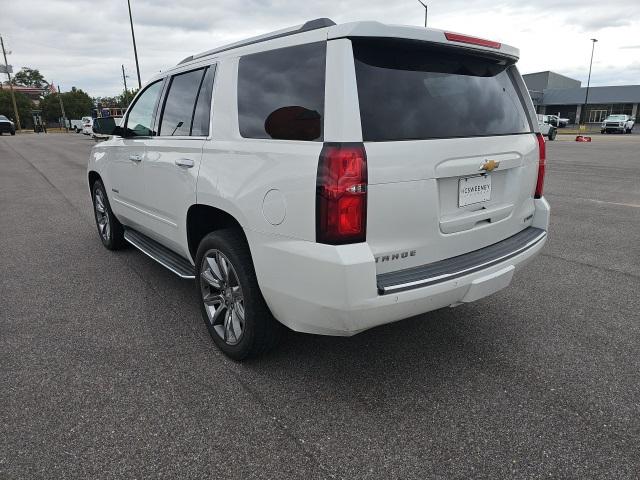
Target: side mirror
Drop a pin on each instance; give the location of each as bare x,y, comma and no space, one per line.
106,126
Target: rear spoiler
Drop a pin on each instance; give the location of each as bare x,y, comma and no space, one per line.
430,35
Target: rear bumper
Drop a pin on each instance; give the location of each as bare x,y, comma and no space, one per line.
331,290
450,268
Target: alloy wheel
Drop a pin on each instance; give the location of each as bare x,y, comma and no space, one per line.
102,216
222,297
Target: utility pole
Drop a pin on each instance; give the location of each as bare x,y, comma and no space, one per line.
586,96
13,97
135,50
124,79
64,116
425,12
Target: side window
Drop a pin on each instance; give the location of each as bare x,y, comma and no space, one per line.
179,104
140,118
202,113
281,93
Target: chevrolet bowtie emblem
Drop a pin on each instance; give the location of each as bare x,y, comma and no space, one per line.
489,165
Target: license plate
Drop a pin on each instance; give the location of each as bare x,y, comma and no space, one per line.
474,190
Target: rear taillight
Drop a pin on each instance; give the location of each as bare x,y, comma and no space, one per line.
542,149
341,194
456,37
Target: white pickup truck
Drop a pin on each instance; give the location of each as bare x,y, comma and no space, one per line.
546,128
76,125
617,123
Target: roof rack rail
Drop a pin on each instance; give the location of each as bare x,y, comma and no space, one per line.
306,27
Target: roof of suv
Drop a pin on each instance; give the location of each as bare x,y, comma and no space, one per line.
371,29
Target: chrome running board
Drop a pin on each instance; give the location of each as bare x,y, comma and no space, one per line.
161,254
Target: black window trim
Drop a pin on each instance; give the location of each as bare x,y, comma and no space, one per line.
214,68
165,93
155,108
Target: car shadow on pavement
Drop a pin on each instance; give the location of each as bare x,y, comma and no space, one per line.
426,352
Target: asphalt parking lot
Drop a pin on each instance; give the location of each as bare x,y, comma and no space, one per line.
108,370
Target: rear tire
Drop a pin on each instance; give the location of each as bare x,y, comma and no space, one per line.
110,229
232,306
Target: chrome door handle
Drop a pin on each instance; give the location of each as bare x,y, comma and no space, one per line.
184,162
135,158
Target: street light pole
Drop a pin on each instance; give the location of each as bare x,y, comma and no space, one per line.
135,50
13,97
425,12
586,96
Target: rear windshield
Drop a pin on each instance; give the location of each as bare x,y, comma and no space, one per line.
409,91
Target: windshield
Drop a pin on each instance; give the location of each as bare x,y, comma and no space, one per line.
412,91
2,117
617,117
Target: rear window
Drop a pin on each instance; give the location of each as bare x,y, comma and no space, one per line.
409,91
281,93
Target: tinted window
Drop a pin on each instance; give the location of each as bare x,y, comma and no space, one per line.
140,117
281,93
408,91
179,105
203,106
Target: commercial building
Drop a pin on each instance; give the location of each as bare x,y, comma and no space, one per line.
553,93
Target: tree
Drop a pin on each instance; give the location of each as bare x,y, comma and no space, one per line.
22,102
29,77
123,100
127,97
77,104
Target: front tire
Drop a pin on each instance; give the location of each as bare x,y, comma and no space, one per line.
110,229
232,306
552,134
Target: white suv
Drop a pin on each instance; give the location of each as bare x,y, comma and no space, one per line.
332,177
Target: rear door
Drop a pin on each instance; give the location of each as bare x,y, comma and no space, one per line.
173,156
451,153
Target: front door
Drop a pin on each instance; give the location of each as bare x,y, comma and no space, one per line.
126,179
127,167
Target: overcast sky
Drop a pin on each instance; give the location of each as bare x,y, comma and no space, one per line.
83,43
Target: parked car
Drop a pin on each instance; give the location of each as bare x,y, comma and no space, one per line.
297,197
76,125
87,125
7,126
557,121
617,123
546,128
